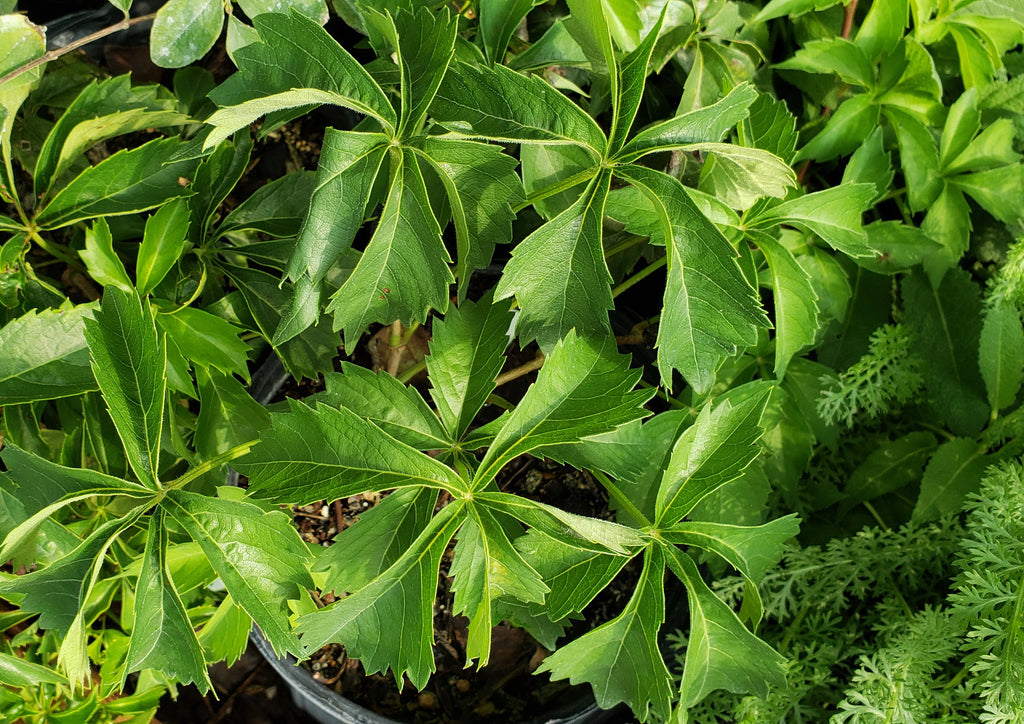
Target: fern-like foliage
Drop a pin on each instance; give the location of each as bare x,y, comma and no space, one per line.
879,383
911,677
826,607
988,597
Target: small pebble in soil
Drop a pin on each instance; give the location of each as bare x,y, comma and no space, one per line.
427,700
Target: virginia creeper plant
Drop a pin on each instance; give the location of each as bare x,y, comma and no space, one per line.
808,210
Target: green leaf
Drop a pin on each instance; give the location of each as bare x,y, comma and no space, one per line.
1000,191
948,224
990,149
128,182
834,214
893,465
184,30
768,126
574,575
297,63
277,208
21,42
621,659
466,355
740,176
710,309
722,653
307,355
633,72
977,66
897,246
15,671
713,451
1001,354
395,408
583,389
945,324
870,164
499,20
555,47
558,273
349,164
883,27
708,124
403,272
59,591
228,415
376,540
481,184
207,340
837,56
326,454
796,307
919,157
795,8
162,636
258,555
404,593
101,260
102,110
750,550
423,44
578,531
852,122
499,104
954,472
485,568
215,178
41,483
315,10
162,244
43,356
128,361
962,123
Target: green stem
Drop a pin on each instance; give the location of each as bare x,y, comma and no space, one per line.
875,514
211,464
54,251
640,275
555,188
673,402
630,241
412,371
499,401
619,497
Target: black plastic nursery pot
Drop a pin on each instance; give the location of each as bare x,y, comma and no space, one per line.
324,704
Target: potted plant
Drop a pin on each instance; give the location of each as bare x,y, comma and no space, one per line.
774,258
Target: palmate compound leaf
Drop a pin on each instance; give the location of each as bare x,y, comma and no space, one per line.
349,164
326,454
466,355
297,63
403,272
258,555
162,636
43,356
103,109
713,451
710,310
558,273
621,659
721,653
583,389
388,624
487,567
481,184
422,44
129,362
58,591
127,182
